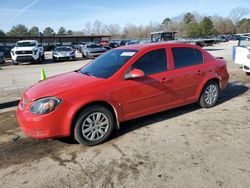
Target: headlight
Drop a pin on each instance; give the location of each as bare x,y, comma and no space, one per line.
35,51
12,51
45,105
54,53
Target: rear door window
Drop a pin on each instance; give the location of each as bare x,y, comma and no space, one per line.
184,57
152,62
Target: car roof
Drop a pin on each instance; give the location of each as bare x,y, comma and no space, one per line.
156,45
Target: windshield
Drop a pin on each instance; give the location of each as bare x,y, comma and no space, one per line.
244,42
65,49
107,64
25,44
94,46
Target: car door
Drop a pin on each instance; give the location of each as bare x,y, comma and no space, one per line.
187,74
242,51
152,92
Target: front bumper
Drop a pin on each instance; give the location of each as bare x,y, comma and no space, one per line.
59,57
24,58
51,125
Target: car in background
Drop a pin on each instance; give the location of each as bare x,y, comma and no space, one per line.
6,50
241,54
114,44
77,45
122,84
2,59
61,53
27,51
123,42
132,42
92,50
104,42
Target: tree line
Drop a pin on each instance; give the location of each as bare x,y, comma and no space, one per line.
189,25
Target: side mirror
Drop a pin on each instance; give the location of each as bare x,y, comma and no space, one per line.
135,73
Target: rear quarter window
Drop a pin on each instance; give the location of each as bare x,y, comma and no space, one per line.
184,56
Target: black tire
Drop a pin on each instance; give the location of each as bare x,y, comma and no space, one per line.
54,60
85,57
204,97
83,116
14,62
248,73
39,60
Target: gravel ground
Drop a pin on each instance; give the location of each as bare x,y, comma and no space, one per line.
184,147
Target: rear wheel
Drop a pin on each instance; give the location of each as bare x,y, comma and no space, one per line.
39,60
14,62
209,95
94,125
248,73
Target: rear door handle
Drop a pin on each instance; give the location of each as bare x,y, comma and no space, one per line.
165,80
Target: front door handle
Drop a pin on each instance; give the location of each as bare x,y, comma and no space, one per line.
200,72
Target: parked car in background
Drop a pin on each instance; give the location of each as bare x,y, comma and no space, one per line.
114,44
77,45
123,42
92,50
120,85
241,54
64,53
6,50
103,42
27,51
132,42
2,59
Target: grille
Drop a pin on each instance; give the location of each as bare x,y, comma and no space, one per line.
24,52
99,51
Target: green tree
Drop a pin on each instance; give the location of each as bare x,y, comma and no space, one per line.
206,27
166,23
2,33
189,18
69,32
34,31
48,31
190,26
19,30
243,26
62,31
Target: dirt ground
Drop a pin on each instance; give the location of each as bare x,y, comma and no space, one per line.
184,147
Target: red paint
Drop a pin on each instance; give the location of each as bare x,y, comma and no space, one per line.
130,98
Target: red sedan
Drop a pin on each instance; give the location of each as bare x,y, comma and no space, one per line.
122,84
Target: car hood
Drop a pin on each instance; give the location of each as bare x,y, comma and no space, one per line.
63,52
59,84
24,48
96,49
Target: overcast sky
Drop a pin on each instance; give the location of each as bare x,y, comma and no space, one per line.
73,14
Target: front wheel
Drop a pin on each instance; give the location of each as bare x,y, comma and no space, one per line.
248,73
209,95
94,125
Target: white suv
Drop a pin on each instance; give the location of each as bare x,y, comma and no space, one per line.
27,51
